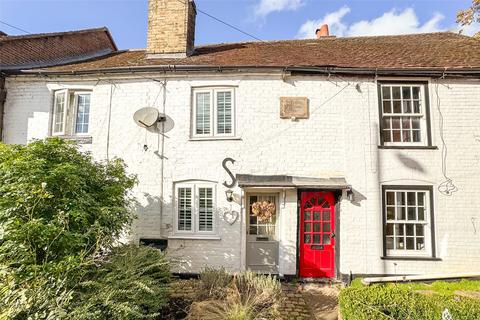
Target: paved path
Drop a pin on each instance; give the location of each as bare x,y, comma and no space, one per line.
310,301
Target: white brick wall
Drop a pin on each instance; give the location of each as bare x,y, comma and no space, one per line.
339,139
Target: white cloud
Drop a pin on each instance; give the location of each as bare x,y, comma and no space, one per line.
333,19
265,7
391,22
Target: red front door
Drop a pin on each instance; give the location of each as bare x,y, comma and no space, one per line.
317,235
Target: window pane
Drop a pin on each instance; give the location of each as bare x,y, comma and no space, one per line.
407,106
396,92
421,198
412,213
83,113
326,227
307,238
400,213
390,213
406,93
416,92
387,136
386,93
410,243
308,227
399,229
400,243
417,107
419,230
420,243
411,198
316,227
390,198
401,198
326,239
316,238
387,106
390,229
316,216
389,243
205,209
203,113
326,216
421,214
185,209
59,112
224,112
410,229
416,136
397,106
308,216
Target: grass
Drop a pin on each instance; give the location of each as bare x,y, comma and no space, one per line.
446,288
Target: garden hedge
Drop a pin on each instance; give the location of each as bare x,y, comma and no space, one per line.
402,302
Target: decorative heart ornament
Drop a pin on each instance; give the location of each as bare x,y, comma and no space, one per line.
230,216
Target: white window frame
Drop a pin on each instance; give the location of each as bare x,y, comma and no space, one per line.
422,116
195,186
428,241
70,109
65,112
75,106
213,91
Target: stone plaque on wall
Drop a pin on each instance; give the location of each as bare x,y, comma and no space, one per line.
294,107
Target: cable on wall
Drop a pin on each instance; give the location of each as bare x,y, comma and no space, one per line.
447,187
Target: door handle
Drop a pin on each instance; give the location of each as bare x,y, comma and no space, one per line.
333,235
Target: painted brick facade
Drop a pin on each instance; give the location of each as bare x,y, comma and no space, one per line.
340,139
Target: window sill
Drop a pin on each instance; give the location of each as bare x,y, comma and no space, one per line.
411,258
409,147
194,237
78,139
215,139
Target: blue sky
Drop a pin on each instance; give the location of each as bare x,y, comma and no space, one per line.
266,19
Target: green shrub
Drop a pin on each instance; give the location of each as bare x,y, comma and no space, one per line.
58,209
133,283
392,301
265,290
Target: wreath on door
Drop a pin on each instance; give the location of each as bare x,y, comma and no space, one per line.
263,210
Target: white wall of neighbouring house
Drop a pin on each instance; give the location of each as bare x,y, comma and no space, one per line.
340,139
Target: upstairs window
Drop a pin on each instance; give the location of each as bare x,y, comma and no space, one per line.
195,209
404,114
71,113
213,112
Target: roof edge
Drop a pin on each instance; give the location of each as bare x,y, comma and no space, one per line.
325,70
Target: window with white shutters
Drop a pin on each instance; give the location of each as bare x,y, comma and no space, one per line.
71,113
213,114
195,209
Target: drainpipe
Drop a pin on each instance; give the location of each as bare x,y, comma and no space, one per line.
3,97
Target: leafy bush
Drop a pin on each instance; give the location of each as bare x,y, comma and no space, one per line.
58,210
390,301
132,283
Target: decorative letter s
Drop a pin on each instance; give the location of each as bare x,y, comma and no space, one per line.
234,180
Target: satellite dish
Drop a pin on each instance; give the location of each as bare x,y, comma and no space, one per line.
146,117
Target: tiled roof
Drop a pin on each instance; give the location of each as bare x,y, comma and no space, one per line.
48,49
417,51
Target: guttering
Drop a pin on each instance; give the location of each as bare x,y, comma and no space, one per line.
329,70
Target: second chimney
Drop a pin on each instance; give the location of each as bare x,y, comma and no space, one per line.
171,28
323,31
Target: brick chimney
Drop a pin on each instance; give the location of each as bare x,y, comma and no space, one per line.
323,32
171,28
